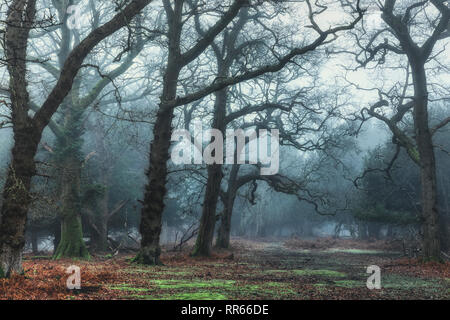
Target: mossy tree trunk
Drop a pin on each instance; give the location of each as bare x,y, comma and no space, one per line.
27,130
155,191
16,202
68,156
151,213
71,244
16,193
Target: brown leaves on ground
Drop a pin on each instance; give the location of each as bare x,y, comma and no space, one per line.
250,264
46,279
416,268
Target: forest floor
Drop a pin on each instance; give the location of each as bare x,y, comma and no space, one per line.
276,269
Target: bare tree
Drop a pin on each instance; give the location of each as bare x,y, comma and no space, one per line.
404,36
157,174
28,130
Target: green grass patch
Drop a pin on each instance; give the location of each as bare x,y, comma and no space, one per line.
270,290
203,295
407,283
182,284
320,285
322,273
395,282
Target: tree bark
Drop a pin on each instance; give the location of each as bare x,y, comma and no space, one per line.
28,131
155,191
71,244
16,202
208,219
34,241
430,224
424,155
99,234
16,195
69,159
224,233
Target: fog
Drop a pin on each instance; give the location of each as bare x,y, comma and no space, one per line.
338,97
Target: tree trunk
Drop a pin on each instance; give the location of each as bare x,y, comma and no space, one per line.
208,220
16,193
100,218
34,242
16,201
56,227
71,244
155,191
69,159
99,236
430,224
224,235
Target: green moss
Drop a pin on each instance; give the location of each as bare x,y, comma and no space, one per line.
278,289
71,244
203,295
180,284
395,282
406,283
414,154
218,289
322,273
2,273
